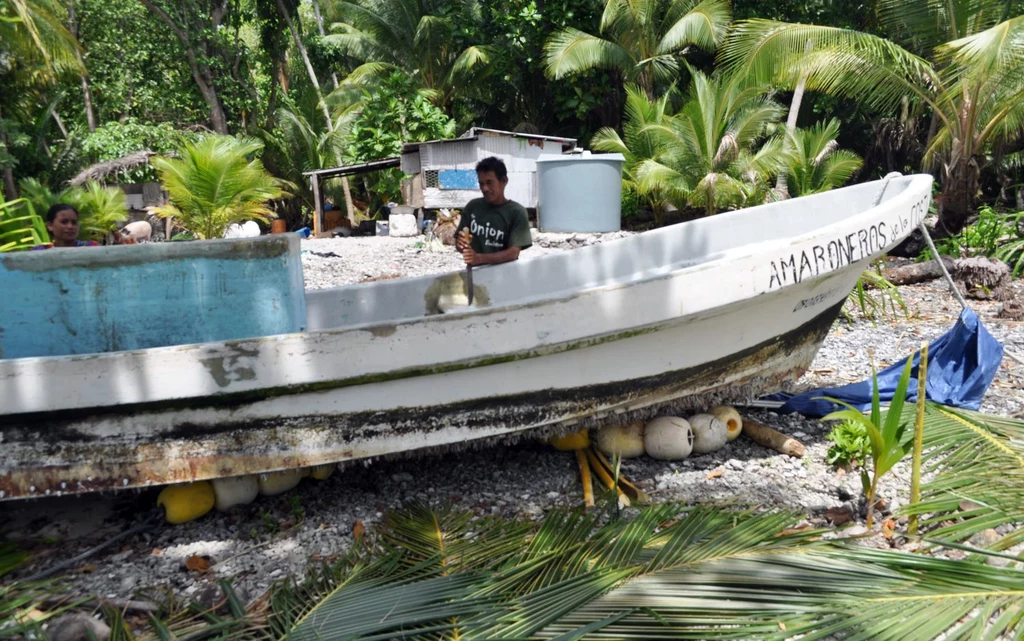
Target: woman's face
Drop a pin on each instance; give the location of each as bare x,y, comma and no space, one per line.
64,228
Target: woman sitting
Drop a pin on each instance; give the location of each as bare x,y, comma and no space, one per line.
62,223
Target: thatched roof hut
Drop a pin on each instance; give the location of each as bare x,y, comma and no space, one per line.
104,171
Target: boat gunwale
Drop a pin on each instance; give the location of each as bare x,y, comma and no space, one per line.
765,247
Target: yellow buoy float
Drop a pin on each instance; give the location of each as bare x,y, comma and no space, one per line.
273,483
624,441
187,501
575,441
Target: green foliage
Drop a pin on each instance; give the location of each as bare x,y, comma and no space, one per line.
101,209
817,163
214,184
992,234
641,40
115,140
887,445
429,42
643,139
393,113
875,296
670,572
971,84
976,462
20,228
713,154
849,445
138,71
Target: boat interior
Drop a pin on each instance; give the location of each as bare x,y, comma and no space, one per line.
608,264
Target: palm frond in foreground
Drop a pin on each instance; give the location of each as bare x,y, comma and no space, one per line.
978,463
671,572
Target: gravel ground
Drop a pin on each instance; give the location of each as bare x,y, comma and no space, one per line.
278,537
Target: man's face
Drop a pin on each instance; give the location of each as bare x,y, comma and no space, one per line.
492,188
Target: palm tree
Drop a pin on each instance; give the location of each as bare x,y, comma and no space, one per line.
213,184
641,39
37,46
818,164
708,153
300,142
972,84
643,130
417,37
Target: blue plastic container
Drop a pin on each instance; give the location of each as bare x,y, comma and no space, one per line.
579,192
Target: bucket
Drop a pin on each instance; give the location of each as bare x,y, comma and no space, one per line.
579,192
278,226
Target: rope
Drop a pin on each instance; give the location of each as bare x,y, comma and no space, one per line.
927,239
942,266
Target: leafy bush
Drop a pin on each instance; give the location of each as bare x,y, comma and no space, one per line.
214,184
993,235
393,113
101,208
849,445
118,139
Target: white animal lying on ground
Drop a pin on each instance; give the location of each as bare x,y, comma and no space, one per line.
248,229
140,231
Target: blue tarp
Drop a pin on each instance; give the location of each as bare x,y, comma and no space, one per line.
961,365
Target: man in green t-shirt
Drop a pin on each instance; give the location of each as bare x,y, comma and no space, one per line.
493,229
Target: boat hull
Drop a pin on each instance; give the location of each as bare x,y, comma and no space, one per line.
120,448
674,319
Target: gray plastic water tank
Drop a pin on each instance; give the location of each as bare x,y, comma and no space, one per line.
579,192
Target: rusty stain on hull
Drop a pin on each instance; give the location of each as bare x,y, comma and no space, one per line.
49,457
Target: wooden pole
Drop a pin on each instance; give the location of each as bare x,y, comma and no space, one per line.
318,207
915,470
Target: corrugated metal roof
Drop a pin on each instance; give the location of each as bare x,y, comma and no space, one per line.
361,168
474,133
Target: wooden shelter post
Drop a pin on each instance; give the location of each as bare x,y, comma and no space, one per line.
318,207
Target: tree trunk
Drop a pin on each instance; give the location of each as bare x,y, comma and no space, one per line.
90,114
781,188
959,187
320,27
350,208
200,73
10,187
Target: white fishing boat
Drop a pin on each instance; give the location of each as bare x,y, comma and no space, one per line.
725,308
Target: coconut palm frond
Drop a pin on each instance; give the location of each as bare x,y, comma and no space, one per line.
37,30
986,51
818,164
102,210
608,140
704,26
978,463
453,540
841,61
214,184
471,64
925,24
671,572
572,51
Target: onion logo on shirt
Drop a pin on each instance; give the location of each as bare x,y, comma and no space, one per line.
492,236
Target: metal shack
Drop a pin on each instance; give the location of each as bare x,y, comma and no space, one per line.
443,172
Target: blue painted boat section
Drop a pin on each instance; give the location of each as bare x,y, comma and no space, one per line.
103,299
457,179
